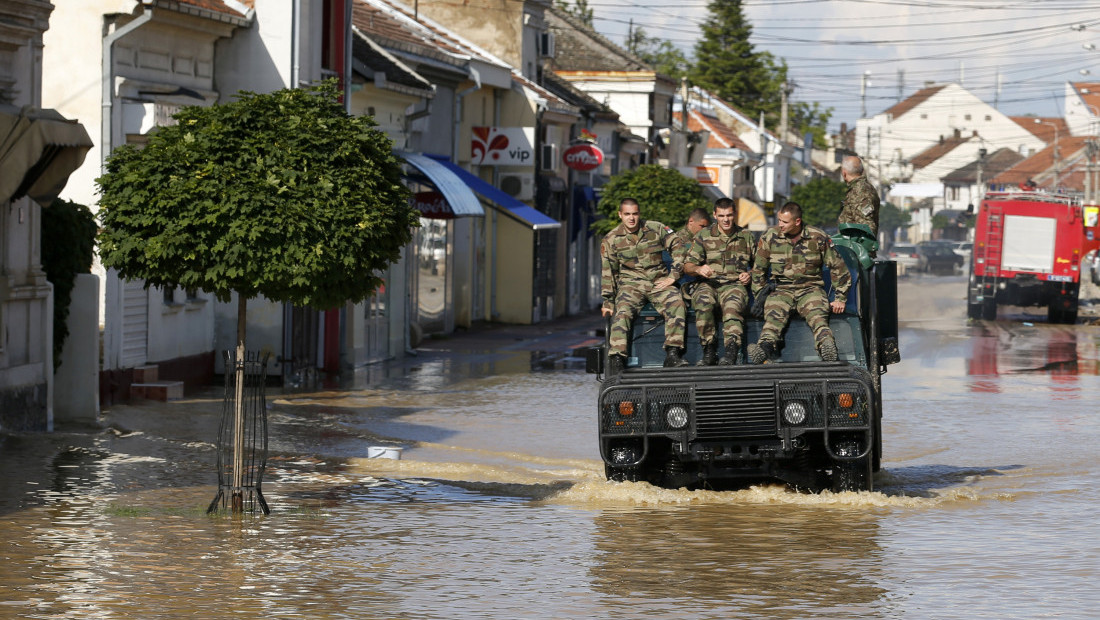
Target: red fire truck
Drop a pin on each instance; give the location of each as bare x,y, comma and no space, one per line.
1028,248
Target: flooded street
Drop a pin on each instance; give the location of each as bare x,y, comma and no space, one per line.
985,507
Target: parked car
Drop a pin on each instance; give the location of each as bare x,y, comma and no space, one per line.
963,249
937,258
905,255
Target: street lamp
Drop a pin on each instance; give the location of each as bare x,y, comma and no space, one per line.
1042,122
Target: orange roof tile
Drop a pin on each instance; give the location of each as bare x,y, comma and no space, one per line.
1040,126
721,136
1090,94
938,150
1040,166
917,98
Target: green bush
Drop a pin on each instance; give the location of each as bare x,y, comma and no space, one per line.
67,241
663,195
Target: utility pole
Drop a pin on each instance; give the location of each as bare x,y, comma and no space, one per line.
864,81
783,111
901,83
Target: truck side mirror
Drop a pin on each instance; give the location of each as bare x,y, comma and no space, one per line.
593,360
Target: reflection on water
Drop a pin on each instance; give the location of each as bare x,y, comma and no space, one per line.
499,508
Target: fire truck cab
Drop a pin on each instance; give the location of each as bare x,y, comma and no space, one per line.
1028,248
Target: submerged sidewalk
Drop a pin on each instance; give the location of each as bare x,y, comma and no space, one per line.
559,343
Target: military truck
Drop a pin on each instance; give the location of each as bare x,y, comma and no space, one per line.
811,424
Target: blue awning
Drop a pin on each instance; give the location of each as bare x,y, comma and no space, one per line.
462,201
522,212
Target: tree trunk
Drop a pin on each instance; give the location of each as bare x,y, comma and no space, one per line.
238,411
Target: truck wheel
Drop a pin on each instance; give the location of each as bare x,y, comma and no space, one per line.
989,308
851,475
973,307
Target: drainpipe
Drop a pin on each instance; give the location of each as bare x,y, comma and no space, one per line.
295,43
106,139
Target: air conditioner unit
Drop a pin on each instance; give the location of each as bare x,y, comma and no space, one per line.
549,158
518,186
546,45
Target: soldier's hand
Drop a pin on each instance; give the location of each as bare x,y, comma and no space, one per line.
744,277
837,306
663,283
706,271
606,311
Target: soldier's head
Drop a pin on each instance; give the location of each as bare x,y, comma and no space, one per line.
851,167
788,219
630,214
725,213
698,220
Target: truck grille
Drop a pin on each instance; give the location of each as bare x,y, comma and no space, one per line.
735,412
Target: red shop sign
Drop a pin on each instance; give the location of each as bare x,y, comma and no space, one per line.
583,157
432,205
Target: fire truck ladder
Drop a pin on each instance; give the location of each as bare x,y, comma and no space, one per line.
987,272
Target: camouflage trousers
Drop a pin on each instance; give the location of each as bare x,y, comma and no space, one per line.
629,300
733,299
811,303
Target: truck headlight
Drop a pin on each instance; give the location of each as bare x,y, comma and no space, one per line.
794,412
677,416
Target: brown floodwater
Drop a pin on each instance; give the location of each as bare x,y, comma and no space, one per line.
985,507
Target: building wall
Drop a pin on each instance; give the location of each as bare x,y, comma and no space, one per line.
514,263
888,143
495,25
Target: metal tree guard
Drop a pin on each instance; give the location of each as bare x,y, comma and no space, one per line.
242,438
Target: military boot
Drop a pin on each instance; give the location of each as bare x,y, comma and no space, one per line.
729,358
827,351
673,359
615,364
761,352
710,354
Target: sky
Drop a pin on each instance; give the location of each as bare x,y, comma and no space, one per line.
1030,48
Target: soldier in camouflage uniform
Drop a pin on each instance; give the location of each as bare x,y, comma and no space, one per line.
634,271
694,289
722,254
795,255
861,203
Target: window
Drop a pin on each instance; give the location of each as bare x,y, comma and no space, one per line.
924,117
169,295
954,193
966,117
192,294
988,117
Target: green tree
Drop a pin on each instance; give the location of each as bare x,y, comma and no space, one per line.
820,200
67,242
578,9
891,218
282,195
727,64
663,195
658,53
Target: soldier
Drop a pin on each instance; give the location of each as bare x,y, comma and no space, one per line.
695,291
861,203
796,255
634,271
722,254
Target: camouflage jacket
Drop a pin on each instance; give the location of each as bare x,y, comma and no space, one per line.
799,263
635,257
730,254
678,248
861,204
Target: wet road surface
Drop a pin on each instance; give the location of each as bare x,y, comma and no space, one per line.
985,507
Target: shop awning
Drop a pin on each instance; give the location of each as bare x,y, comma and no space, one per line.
513,207
461,201
39,149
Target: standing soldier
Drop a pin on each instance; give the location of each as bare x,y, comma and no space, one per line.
695,290
861,203
634,271
795,255
722,254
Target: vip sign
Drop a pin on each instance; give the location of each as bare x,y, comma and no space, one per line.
503,146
